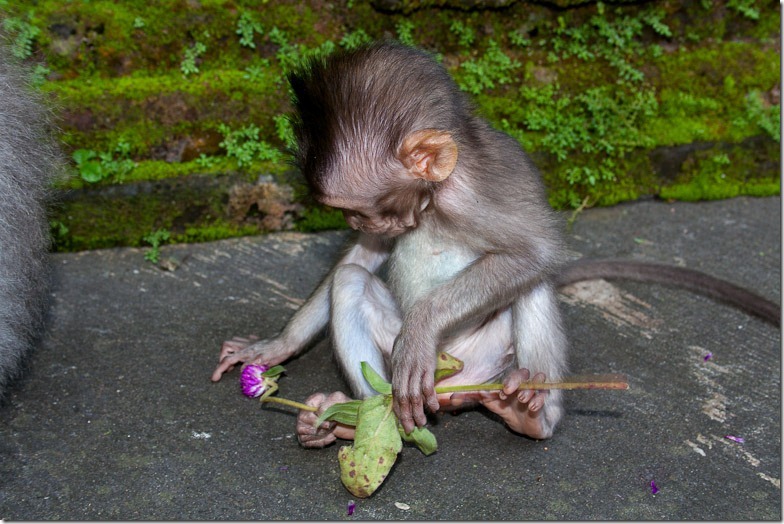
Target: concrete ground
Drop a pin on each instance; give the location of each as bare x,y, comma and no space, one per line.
117,417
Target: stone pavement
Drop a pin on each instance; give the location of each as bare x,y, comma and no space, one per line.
117,418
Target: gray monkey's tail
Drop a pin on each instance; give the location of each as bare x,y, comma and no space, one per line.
680,277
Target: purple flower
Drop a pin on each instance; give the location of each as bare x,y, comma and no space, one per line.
654,489
253,384
351,507
708,356
739,440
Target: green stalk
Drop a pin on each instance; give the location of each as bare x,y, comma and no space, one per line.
578,382
292,403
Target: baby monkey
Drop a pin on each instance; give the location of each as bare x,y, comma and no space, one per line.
458,212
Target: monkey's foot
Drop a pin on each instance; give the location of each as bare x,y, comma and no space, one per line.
311,436
528,412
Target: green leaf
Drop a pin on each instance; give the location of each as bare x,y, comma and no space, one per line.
344,413
446,366
365,465
375,380
421,438
274,371
81,156
91,171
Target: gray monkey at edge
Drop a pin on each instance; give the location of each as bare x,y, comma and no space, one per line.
29,161
474,253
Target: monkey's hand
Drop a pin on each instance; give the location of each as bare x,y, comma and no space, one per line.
413,382
521,410
251,350
311,436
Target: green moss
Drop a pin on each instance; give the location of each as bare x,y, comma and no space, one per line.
216,231
599,86
320,219
697,100
727,171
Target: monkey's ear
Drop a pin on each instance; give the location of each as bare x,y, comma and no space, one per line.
429,154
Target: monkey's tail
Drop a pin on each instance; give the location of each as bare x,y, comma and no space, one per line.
683,278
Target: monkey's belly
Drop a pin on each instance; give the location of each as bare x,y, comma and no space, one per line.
422,261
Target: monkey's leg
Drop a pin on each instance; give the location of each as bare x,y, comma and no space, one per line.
486,350
365,321
540,348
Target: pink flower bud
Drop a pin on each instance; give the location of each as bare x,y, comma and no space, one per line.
253,384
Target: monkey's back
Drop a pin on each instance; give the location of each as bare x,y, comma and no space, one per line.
28,162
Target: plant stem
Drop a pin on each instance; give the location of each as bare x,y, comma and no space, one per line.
577,382
581,382
293,404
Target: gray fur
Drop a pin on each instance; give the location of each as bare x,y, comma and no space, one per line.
29,160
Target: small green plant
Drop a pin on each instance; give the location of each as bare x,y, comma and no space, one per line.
493,67
247,26
288,54
245,145
614,40
284,130
766,118
291,56
206,161
465,34
517,38
405,30
256,71
59,232
188,65
602,121
355,39
155,239
744,7
39,74
24,33
139,23
94,166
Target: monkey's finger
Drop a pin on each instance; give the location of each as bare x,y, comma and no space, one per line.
423,397
402,409
513,380
316,441
431,398
537,402
225,365
230,347
528,395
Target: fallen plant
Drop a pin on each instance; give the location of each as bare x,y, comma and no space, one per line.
379,436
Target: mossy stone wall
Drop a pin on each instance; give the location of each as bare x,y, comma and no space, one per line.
173,109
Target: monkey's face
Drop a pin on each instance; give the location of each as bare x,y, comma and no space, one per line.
373,219
389,226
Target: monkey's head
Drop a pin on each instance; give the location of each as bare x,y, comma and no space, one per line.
377,133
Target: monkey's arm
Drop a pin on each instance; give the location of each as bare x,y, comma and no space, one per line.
492,281
310,320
